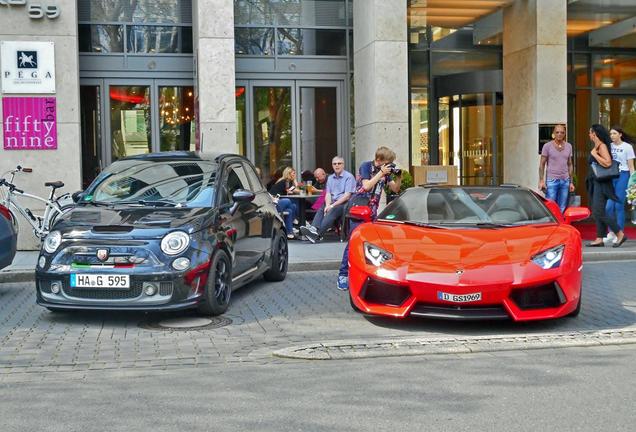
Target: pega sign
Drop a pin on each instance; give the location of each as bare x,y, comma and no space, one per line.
29,123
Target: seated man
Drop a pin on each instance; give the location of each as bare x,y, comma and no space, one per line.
321,178
340,185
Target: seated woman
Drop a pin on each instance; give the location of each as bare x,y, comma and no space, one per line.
286,185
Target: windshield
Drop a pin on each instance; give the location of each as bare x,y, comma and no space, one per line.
479,207
155,183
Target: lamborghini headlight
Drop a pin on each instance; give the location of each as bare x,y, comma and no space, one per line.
375,255
550,258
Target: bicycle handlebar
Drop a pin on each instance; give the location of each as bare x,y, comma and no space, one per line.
26,170
11,187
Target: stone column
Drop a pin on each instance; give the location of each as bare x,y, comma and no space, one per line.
380,78
213,34
63,163
535,82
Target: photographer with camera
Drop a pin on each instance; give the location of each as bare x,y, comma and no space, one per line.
373,176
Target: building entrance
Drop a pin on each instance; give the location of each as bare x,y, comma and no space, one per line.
127,117
470,126
295,123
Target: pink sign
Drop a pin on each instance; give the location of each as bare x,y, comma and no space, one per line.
29,123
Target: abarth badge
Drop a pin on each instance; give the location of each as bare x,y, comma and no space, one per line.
459,272
102,254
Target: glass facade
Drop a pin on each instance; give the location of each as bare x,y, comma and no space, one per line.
467,128
135,26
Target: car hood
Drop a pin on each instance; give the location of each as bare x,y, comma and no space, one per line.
447,250
128,219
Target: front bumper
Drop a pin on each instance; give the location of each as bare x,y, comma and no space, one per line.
173,293
542,295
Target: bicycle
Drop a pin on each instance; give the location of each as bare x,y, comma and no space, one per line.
54,206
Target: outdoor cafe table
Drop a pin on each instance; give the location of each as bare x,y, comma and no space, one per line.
301,204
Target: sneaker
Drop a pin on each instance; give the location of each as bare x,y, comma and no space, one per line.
343,283
611,238
290,236
312,235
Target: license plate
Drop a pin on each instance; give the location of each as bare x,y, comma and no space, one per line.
99,281
459,298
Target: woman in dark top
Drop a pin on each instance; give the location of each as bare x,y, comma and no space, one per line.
286,185
601,191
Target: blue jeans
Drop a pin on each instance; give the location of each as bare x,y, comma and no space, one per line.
617,208
285,204
559,192
344,264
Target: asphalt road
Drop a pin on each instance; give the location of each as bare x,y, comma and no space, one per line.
588,389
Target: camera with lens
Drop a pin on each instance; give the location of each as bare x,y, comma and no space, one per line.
394,169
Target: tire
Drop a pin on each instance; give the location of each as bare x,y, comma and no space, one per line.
218,289
280,259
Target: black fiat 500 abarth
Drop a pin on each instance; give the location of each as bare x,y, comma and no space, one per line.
163,231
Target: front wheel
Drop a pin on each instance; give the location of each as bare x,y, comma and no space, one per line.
218,290
280,258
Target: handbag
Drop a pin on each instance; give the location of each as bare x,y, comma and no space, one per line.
605,174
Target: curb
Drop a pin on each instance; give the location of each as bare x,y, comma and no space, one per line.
357,349
11,276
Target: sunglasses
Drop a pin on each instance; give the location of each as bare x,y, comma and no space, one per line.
337,163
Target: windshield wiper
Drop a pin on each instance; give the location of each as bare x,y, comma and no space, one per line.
492,225
151,203
96,203
426,225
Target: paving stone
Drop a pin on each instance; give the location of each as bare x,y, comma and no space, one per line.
303,310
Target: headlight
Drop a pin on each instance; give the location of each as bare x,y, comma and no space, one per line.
375,255
52,241
550,258
175,243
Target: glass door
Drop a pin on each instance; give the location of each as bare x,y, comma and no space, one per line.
91,118
272,121
319,130
618,110
130,120
294,123
470,134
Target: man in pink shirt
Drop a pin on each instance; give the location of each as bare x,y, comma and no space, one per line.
557,156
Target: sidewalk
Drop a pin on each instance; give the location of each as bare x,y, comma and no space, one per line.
304,256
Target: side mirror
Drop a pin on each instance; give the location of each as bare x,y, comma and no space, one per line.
242,195
77,196
573,214
239,197
362,213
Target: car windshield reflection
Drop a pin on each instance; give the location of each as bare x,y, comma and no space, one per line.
478,207
155,184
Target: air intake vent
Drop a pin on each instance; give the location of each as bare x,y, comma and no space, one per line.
112,229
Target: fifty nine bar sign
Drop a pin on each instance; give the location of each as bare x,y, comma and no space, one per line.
29,123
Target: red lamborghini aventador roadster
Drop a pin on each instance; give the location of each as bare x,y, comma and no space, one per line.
458,252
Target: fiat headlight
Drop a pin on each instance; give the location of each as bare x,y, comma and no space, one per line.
175,243
375,255
52,241
550,258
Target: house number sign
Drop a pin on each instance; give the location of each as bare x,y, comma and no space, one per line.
35,10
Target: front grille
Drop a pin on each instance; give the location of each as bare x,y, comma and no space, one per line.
165,288
462,313
538,297
103,293
378,292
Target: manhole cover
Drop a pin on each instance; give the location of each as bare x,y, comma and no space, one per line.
187,323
